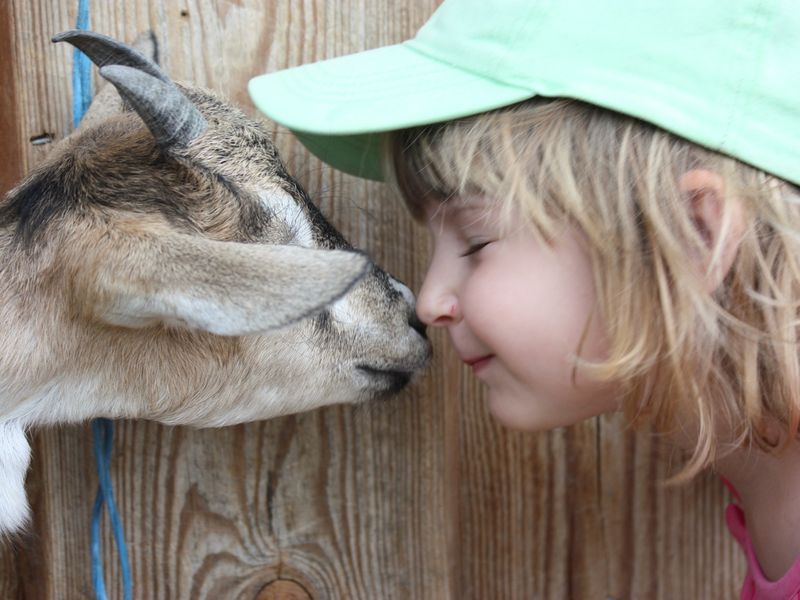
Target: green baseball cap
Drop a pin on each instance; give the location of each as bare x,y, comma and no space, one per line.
723,74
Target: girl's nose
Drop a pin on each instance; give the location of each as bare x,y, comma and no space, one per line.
436,305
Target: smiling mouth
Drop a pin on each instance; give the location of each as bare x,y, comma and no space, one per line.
477,364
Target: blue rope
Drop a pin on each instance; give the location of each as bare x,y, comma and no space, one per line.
103,432
81,70
102,429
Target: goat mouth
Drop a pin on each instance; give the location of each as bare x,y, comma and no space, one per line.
390,381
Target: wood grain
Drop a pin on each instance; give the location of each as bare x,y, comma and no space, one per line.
11,168
424,497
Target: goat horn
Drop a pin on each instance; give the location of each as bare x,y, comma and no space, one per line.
169,115
103,50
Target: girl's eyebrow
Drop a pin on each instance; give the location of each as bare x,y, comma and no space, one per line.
470,201
473,206
462,211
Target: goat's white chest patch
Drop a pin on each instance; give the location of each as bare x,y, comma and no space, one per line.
286,209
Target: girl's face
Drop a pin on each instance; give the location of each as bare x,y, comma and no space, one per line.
517,311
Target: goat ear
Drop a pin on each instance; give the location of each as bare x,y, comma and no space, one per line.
226,288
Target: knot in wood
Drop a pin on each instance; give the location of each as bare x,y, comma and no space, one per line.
284,589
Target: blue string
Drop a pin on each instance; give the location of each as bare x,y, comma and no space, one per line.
102,429
81,70
103,432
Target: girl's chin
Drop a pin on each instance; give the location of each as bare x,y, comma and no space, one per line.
520,414
525,411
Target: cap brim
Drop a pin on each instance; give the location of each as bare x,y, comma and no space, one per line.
337,106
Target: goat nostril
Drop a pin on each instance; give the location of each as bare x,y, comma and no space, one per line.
418,325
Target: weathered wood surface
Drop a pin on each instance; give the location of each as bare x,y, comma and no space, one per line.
421,498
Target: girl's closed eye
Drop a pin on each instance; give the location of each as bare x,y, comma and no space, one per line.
476,233
473,247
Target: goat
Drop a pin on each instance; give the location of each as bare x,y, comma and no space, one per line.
162,264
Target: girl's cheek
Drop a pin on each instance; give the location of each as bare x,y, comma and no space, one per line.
477,299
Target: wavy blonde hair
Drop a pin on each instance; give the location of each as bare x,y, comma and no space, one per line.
723,364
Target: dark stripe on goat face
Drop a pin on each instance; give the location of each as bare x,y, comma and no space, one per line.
247,149
322,323
243,148
53,193
190,197
87,172
247,217
381,277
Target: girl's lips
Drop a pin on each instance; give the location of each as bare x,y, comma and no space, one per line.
479,362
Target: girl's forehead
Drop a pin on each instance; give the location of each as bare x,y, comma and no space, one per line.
462,210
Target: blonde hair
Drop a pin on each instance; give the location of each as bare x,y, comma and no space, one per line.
727,360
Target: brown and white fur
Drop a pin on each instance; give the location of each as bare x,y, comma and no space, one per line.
189,283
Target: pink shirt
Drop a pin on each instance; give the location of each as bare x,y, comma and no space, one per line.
756,585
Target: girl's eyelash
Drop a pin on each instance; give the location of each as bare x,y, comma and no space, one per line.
473,248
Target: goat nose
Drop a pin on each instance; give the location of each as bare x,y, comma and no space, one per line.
417,325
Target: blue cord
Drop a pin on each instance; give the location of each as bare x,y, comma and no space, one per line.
81,70
103,433
102,429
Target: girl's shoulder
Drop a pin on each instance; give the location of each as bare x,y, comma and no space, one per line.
756,586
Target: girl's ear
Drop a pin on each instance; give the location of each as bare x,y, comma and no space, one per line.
719,221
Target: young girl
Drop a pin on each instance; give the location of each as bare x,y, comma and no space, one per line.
611,191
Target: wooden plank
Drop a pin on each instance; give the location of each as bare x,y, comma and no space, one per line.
11,170
583,513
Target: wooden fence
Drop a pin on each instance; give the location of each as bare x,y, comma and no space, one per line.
420,498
